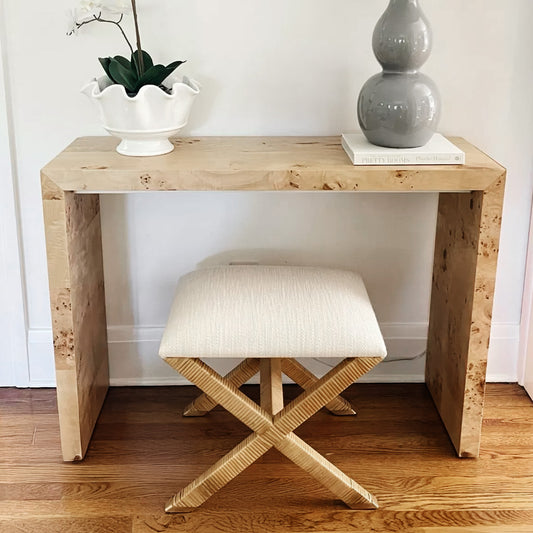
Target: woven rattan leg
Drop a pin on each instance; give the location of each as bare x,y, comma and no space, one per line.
246,370
271,386
303,377
344,487
272,431
221,473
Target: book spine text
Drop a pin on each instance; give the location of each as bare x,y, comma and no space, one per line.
408,159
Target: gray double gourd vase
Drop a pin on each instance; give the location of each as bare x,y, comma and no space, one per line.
400,107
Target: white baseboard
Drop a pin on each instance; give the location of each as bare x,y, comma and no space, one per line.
133,358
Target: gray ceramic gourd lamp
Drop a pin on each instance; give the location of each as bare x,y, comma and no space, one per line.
400,107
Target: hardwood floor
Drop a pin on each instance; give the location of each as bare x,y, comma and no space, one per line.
143,450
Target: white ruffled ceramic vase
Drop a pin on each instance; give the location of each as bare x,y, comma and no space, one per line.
146,121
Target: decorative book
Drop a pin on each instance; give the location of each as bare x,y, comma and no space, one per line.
438,151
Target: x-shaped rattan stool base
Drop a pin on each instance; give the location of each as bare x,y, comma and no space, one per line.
271,428
248,368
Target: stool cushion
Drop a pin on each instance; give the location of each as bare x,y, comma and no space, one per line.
271,311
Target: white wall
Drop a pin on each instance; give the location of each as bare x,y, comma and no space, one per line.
13,342
273,67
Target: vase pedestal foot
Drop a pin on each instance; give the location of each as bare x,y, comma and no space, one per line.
144,147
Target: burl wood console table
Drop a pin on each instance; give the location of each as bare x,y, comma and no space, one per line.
468,228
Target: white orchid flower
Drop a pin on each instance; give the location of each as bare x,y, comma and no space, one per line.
116,6
88,7
86,12
94,8
89,10
105,6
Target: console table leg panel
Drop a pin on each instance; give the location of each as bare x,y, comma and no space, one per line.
464,272
75,267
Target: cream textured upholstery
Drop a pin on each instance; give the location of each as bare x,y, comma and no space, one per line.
271,311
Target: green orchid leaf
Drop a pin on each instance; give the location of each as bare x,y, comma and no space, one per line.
147,61
174,65
104,61
123,75
153,76
157,74
125,72
125,62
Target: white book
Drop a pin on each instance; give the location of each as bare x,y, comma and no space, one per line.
438,151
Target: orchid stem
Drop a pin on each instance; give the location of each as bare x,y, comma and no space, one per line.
100,19
138,35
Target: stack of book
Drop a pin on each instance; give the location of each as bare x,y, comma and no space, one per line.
438,151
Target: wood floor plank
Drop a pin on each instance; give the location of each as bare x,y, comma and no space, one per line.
62,525
143,451
423,490
407,468
339,521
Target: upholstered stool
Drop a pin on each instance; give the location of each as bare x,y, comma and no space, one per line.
269,315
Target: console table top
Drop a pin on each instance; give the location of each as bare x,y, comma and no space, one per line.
91,164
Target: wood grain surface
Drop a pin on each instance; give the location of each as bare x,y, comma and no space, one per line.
464,275
76,279
257,163
143,450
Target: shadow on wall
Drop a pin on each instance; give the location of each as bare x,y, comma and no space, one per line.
152,240
374,266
